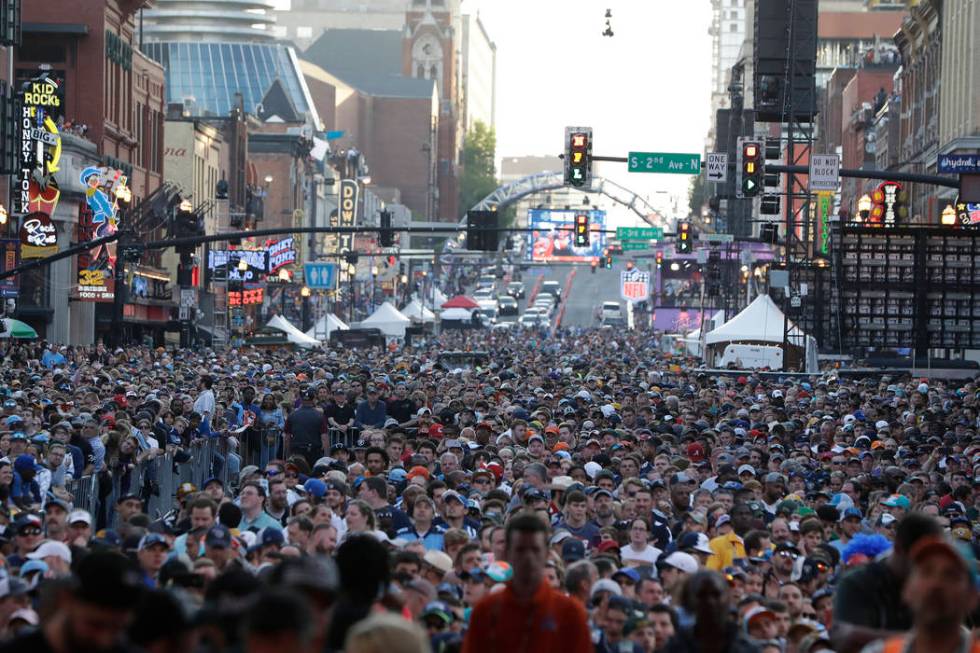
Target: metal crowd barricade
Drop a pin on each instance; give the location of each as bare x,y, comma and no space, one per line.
349,438
154,481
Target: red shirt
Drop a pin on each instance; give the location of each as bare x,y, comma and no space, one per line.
549,623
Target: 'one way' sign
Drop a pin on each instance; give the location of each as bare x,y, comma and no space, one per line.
717,167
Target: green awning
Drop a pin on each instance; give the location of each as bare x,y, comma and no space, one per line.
17,329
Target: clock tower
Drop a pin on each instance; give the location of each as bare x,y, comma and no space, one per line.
432,36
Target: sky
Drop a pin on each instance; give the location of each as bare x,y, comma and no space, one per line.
645,89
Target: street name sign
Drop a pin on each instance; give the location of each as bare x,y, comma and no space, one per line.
664,162
716,238
320,276
636,245
639,233
717,166
824,172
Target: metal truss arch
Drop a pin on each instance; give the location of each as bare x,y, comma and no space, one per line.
517,190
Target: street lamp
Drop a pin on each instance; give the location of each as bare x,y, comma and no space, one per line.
269,179
948,218
284,275
3,214
242,265
864,208
305,291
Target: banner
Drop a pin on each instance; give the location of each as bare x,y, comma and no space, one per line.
634,285
43,99
552,235
348,212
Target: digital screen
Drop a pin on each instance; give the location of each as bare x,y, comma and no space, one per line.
552,235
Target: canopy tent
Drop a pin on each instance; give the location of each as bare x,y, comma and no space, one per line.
389,320
438,297
451,314
460,301
760,321
415,311
293,334
11,328
327,324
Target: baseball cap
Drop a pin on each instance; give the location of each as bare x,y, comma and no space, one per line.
153,539
938,545
683,561
572,550
271,536
51,548
109,580
218,537
897,501
80,516
850,513
757,612
607,585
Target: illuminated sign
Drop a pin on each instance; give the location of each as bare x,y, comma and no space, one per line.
890,204
38,236
98,216
245,297
634,285
40,145
9,259
281,253
348,212
968,214
229,262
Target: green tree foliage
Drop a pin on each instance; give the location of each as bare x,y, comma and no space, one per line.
479,179
696,195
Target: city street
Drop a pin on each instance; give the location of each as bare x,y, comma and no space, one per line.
489,326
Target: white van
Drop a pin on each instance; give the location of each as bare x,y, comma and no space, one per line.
752,357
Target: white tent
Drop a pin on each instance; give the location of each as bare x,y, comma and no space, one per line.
415,311
693,339
438,297
293,334
327,324
389,320
451,314
760,321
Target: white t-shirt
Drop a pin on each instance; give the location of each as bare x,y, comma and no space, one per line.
647,556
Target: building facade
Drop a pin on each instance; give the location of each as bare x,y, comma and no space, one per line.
479,74
111,119
920,42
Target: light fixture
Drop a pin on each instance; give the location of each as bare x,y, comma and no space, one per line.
185,205
948,218
404,278
864,207
242,265
284,275
374,270
745,268
3,214
351,269
268,179
675,267
305,291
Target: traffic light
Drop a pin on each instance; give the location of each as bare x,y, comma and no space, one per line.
387,235
578,156
481,231
773,153
712,277
186,224
684,238
749,171
659,259
582,230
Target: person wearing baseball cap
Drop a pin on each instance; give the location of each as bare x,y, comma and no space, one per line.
151,554
941,592
92,613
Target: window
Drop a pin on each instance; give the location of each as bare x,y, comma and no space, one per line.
304,32
734,27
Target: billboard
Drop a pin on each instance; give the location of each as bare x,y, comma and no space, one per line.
552,235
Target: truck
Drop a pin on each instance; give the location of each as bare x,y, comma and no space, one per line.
751,357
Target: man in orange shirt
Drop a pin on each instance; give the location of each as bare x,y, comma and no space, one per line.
527,615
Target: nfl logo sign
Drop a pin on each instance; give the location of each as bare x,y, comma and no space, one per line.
634,285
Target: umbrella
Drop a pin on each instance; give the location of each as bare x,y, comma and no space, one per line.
16,329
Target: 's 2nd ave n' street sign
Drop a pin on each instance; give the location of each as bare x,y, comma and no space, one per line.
664,162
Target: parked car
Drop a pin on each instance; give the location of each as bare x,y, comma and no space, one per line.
515,289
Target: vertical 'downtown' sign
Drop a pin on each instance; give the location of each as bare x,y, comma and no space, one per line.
35,190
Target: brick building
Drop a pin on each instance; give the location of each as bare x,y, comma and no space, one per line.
113,112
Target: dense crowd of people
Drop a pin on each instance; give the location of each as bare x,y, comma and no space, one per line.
580,493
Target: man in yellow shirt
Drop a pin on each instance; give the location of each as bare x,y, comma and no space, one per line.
727,545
